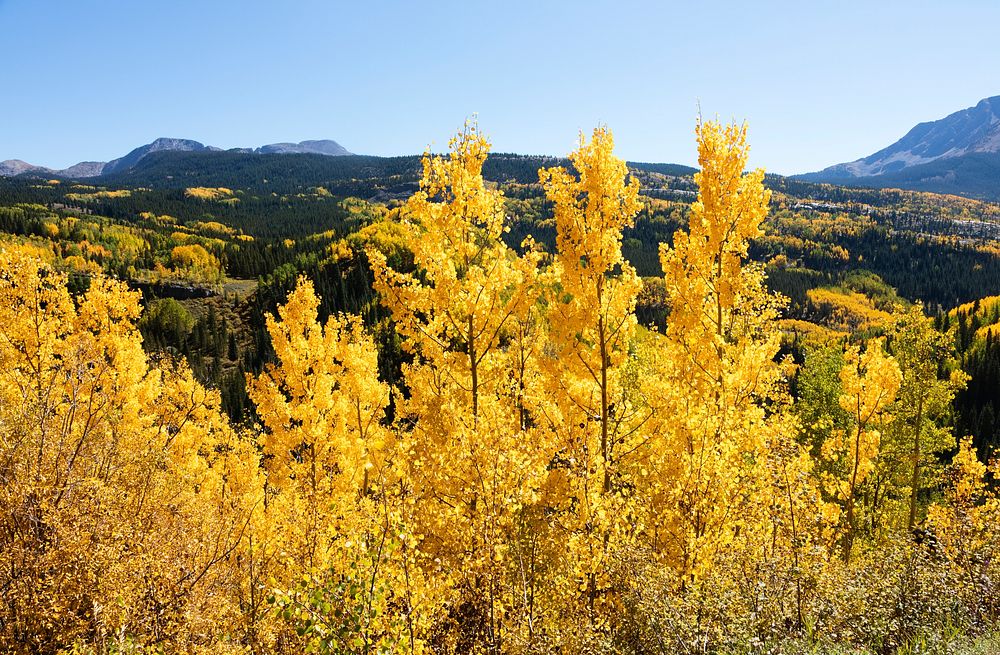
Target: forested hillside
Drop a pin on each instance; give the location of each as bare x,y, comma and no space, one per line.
835,252
956,154
495,403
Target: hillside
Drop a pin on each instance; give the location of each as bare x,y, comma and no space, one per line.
310,368
956,154
126,163
976,175
357,175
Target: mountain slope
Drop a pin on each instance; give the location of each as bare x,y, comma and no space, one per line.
13,167
956,154
321,147
974,175
83,169
358,175
89,169
159,145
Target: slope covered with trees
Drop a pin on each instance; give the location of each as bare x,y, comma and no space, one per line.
456,439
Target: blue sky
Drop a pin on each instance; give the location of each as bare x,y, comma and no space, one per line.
819,82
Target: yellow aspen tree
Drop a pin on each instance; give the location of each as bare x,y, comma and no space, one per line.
870,381
790,541
467,315
916,436
719,365
190,474
104,461
336,505
964,524
597,411
322,408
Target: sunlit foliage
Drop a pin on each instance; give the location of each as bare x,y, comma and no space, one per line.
491,453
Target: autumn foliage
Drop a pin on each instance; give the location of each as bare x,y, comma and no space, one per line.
546,474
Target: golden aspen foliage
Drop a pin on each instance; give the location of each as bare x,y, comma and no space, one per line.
322,408
596,409
195,262
846,310
719,360
870,381
964,526
967,488
467,314
209,193
334,513
104,460
322,405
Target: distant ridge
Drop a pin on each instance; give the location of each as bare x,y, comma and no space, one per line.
958,154
13,167
88,169
365,176
322,147
159,145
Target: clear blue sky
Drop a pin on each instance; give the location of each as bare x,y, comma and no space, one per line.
818,82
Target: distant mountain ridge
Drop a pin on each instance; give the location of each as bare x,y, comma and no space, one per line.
364,176
13,167
159,145
86,169
322,147
959,153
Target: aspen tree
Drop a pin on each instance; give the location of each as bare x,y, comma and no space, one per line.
337,507
597,410
719,362
920,351
475,460
870,381
321,406
104,461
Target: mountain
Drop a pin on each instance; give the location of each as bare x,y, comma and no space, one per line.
83,169
12,167
956,154
161,144
322,147
88,169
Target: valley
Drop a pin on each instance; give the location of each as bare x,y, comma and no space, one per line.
266,294
241,227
